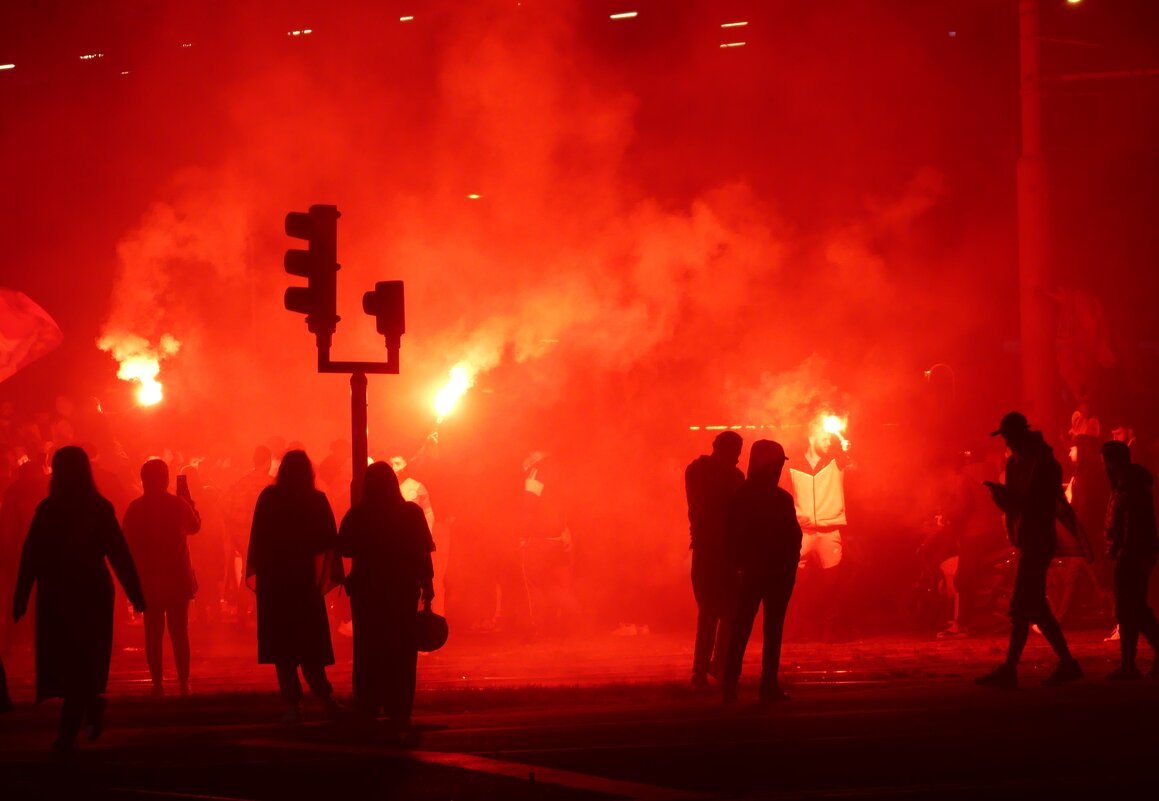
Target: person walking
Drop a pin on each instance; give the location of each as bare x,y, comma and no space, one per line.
157,526
763,543
73,532
290,565
389,545
1030,499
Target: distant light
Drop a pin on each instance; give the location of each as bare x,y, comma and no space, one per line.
125,72
473,196
624,15
733,44
406,19
187,44
303,32
733,24
1073,2
91,56
7,66
953,34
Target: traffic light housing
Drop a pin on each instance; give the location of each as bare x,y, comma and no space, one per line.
387,306
318,264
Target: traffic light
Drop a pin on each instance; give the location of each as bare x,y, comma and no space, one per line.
318,265
386,304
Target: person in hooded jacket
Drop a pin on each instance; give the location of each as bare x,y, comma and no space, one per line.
1030,499
290,563
73,533
763,543
1132,544
389,545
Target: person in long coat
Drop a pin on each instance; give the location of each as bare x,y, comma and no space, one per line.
290,566
157,526
390,545
73,533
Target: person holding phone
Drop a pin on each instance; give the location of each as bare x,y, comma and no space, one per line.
156,526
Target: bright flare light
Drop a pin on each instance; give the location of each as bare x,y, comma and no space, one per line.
624,15
462,378
834,424
140,362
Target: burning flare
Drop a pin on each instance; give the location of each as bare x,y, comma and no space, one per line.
835,425
140,361
462,378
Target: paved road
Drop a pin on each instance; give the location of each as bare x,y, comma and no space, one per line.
879,719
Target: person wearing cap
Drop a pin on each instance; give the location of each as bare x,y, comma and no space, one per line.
763,544
709,484
1132,544
1029,498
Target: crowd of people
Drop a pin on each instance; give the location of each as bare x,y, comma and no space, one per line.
273,530
751,535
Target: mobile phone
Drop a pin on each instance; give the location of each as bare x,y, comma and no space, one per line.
183,487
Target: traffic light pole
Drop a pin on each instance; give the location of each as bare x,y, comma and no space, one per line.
359,446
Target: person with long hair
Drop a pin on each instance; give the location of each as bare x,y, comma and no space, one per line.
390,545
73,532
291,567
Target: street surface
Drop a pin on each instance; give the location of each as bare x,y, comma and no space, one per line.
614,718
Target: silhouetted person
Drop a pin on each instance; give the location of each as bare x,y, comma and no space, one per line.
6,704
389,544
156,526
709,484
763,542
547,548
239,510
1030,498
291,540
1088,492
72,534
1132,544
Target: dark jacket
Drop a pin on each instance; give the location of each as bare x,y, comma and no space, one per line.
709,484
1130,525
389,546
1030,502
64,556
762,534
293,534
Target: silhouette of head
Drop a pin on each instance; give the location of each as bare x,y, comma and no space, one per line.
380,485
155,476
1014,428
727,446
72,475
1116,459
766,458
296,472
263,458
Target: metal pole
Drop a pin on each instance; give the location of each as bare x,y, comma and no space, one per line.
1036,313
359,447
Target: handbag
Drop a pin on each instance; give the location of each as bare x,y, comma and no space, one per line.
432,630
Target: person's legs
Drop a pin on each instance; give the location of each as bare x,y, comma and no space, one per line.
177,616
72,713
776,599
320,686
707,613
1130,600
748,601
154,634
288,684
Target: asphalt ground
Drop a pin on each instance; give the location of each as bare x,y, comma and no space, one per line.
891,717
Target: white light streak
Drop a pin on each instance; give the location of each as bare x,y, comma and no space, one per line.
406,19
7,66
733,44
624,15
303,32
187,44
733,24
91,56
473,196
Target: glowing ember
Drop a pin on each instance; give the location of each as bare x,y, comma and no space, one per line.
834,424
140,362
462,378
